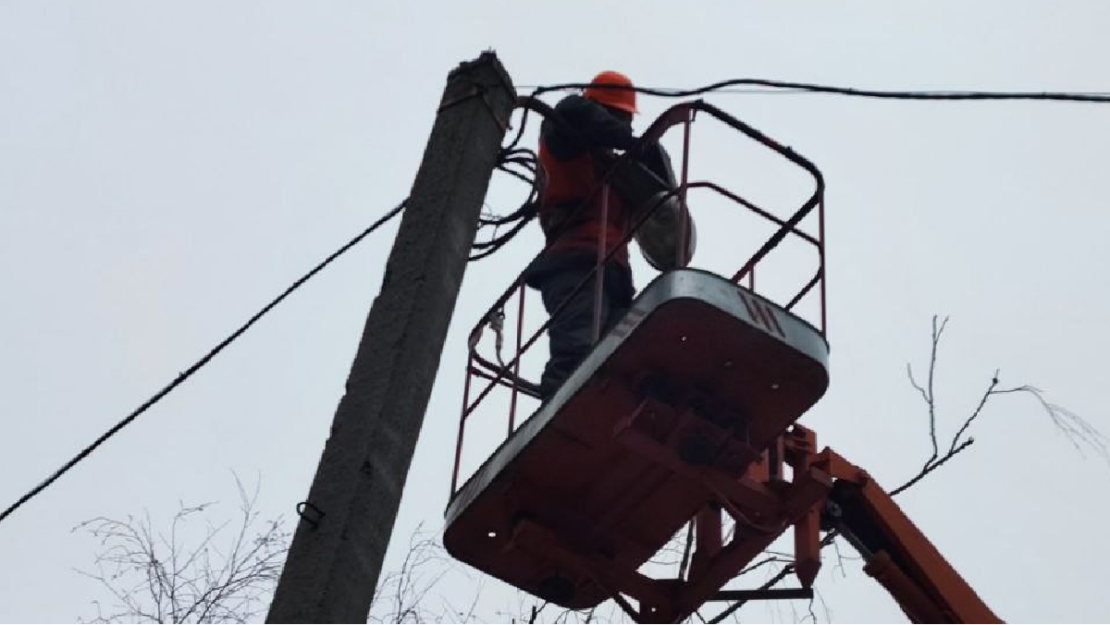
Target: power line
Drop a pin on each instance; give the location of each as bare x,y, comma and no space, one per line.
663,90
199,364
764,86
760,86
522,216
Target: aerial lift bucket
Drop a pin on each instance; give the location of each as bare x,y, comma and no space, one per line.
673,405
683,413
677,414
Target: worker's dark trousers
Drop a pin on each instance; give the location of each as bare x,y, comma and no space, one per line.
571,331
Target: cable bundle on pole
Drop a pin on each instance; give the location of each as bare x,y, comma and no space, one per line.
522,164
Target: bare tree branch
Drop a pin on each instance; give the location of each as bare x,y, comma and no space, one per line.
928,394
158,578
684,565
824,606
1078,431
929,468
425,564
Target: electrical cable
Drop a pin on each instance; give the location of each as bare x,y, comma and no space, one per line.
198,364
513,154
526,159
508,159
764,86
803,87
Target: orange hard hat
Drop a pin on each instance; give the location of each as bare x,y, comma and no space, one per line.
621,99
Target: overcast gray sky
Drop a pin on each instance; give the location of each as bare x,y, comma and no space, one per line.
166,168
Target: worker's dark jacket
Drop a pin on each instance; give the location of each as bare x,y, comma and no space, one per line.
570,217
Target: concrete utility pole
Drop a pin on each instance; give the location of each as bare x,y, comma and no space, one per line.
333,565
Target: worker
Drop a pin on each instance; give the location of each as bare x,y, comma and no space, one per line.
570,214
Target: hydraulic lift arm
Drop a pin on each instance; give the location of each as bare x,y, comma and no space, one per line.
896,552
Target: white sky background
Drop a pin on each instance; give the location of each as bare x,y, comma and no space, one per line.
167,168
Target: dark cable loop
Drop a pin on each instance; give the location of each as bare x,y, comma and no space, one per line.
519,218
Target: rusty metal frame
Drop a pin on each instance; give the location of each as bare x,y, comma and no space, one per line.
508,374
909,567
789,504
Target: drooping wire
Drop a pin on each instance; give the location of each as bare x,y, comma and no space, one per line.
887,94
511,154
185,375
760,85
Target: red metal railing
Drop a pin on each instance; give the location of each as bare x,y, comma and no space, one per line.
507,375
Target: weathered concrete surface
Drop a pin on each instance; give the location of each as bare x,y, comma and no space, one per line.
333,566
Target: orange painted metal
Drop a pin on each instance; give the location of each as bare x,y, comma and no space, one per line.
910,596
579,572
633,469
898,555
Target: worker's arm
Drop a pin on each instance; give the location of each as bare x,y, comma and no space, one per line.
656,159
594,128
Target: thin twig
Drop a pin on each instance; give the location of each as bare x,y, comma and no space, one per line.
158,578
975,414
685,563
932,467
